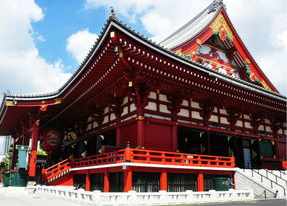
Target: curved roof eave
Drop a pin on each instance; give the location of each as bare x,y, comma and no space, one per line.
128,31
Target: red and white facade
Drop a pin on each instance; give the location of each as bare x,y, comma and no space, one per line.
198,105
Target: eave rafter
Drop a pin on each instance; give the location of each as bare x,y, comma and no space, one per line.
162,68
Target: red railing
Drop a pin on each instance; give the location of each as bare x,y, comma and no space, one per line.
155,157
56,170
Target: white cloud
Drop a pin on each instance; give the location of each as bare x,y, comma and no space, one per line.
22,69
79,44
261,24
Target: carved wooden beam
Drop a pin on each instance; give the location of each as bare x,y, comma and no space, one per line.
233,116
256,120
139,93
116,106
175,103
206,111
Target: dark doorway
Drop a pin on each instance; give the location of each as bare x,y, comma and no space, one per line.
191,140
79,181
146,182
95,143
181,182
218,144
246,152
116,182
110,137
97,182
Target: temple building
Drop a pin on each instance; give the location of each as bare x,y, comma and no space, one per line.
137,115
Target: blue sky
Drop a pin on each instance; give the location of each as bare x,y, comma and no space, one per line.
61,22
44,41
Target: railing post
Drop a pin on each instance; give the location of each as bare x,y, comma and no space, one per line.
127,154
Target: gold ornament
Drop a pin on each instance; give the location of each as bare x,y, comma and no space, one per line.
220,25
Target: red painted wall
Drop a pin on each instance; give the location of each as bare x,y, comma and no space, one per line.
158,135
128,133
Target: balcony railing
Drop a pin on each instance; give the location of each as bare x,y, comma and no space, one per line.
57,170
138,156
155,157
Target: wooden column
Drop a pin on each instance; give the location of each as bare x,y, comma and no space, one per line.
200,182
140,93
275,125
174,108
118,135
174,136
33,154
163,181
106,182
116,107
128,180
208,143
88,182
140,130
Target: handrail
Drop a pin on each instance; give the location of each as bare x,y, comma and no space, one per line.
154,156
276,176
56,170
271,181
135,155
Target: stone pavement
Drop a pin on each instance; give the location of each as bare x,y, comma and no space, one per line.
252,203
20,197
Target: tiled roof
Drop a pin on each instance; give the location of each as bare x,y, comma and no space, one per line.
194,26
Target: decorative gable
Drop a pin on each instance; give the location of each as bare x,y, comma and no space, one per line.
218,47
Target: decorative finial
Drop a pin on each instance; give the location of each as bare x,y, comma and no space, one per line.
112,13
215,5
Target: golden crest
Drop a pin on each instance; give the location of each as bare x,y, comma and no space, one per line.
220,25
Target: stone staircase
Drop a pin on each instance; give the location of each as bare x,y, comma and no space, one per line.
265,183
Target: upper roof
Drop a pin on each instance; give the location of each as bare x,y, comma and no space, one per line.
14,107
193,27
213,20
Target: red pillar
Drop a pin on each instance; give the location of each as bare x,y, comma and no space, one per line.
200,182
106,182
163,181
140,130
88,182
118,135
33,154
128,180
174,136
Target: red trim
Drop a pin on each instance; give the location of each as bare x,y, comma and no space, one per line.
245,51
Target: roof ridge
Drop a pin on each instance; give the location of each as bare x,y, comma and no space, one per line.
215,5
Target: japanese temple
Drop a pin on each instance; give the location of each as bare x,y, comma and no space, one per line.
137,115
